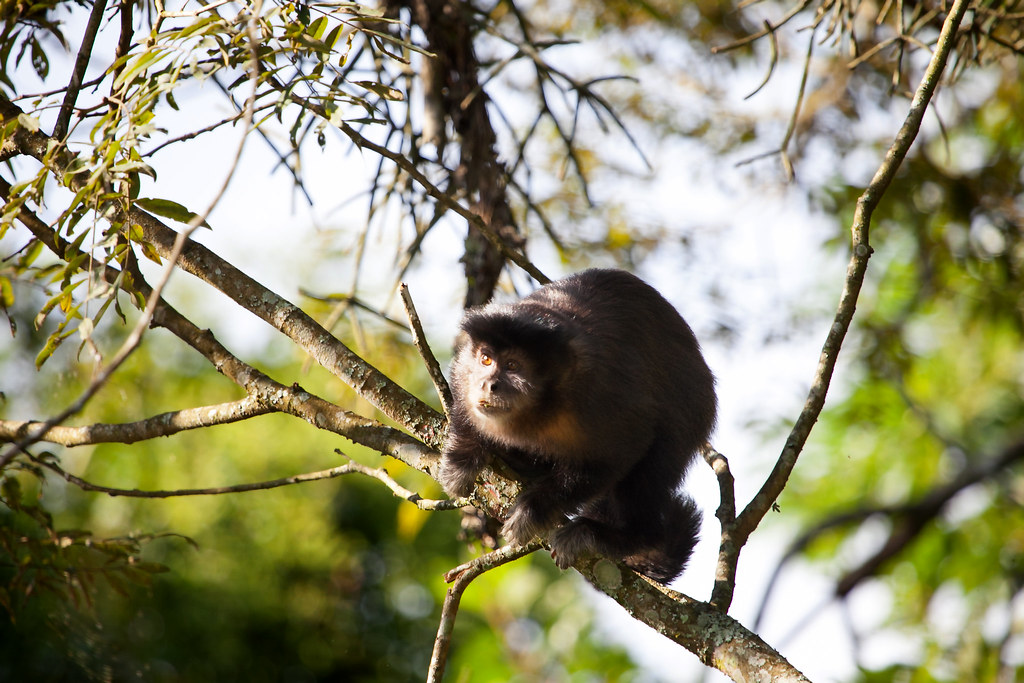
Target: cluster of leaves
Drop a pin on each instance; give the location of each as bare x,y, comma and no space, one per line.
291,58
37,558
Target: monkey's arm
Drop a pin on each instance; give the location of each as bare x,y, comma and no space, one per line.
547,502
463,457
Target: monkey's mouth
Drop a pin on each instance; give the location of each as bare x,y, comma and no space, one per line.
492,406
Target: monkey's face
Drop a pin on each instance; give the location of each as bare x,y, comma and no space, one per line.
499,385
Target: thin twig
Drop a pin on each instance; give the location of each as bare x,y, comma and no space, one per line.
60,128
769,28
462,576
437,193
791,128
381,475
341,470
444,392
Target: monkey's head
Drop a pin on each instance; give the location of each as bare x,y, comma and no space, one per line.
507,365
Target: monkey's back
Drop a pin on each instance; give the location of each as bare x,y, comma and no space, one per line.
638,376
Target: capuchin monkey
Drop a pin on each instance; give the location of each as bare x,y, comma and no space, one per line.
593,391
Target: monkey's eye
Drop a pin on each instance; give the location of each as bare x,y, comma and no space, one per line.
485,359
512,365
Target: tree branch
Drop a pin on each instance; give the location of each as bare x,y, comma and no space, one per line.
347,468
728,550
292,400
912,518
164,424
755,511
908,521
444,392
60,128
718,640
284,316
381,475
178,244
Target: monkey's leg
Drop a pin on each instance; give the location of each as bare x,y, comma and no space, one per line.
654,535
548,501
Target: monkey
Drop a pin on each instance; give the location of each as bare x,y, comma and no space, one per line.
593,392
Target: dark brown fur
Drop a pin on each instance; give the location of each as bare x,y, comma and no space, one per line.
597,396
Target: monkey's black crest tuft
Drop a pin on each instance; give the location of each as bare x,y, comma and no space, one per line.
594,389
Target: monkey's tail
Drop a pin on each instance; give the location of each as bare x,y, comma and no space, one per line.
666,560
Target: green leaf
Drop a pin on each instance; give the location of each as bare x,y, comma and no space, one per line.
6,293
137,66
385,91
316,29
168,209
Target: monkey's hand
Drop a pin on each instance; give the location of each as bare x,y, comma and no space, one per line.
532,515
457,478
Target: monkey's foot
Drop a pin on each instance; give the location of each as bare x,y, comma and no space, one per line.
521,527
570,542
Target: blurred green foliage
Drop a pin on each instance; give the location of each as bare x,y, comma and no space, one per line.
935,389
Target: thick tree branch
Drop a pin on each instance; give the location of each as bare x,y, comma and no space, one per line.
718,640
289,319
164,424
861,252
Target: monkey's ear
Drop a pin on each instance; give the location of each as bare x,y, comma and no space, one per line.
462,339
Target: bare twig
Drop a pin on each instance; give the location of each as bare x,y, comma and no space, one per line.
462,576
381,475
768,29
60,128
341,470
728,551
444,392
437,193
